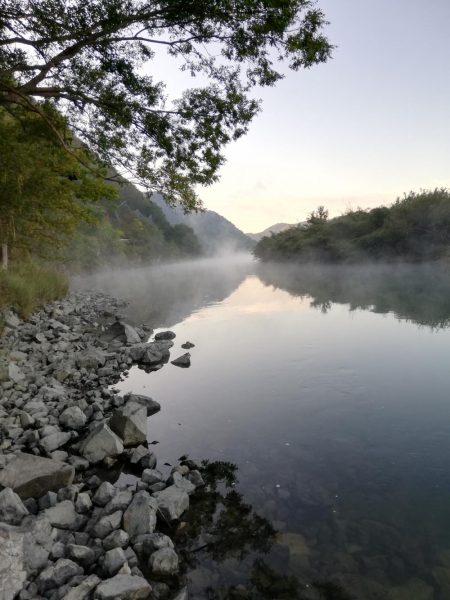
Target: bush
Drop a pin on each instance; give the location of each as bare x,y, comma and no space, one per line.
27,286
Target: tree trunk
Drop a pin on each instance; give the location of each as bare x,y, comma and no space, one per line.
4,256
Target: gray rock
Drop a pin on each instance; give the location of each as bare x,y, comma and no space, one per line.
140,516
165,335
107,524
164,562
81,554
12,510
187,345
151,405
64,516
14,373
172,502
12,571
113,561
122,332
116,539
152,542
83,591
83,503
10,319
143,456
151,476
183,360
123,587
55,440
72,418
120,502
100,444
130,423
32,476
91,359
104,494
196,478
182,595
58,574
182,482
49,499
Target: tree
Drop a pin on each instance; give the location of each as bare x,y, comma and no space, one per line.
88,59
44,191
318,216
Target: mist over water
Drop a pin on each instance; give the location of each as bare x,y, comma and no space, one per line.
329,388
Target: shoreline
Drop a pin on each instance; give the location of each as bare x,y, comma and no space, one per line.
66,534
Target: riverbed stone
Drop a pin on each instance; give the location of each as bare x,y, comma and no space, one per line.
123,587
101,443
107,524
82,555
12,510
73,418
32,476
12,571
130,423
164,562
64,516
183,361
172,502
165,335
84,589
55,440
151,405
116,539
140,516
122,332
151,476
58,574
104,494
113,561
91,359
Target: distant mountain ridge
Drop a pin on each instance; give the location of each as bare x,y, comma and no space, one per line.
215,233
277,228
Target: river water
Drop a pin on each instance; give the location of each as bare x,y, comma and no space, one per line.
329,390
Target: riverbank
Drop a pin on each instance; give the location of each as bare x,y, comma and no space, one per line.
67,532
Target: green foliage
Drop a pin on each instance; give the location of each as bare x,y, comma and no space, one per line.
87,59
26,286
45,192
415,228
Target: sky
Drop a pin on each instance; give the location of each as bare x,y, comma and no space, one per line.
359,131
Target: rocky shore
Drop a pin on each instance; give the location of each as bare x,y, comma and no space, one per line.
66,532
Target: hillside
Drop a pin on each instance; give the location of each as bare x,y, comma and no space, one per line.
277,228
215,233
130,230
413,229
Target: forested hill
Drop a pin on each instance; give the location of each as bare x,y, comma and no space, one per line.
215,233
130,230
413,229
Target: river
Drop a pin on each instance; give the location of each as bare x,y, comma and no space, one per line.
329,389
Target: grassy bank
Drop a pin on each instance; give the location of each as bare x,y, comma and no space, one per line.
26,286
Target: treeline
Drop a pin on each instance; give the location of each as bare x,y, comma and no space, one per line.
59,205
415,228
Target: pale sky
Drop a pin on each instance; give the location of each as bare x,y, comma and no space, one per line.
369,125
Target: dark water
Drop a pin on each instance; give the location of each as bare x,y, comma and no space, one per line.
329,389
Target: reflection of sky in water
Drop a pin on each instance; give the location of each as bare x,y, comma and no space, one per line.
339,423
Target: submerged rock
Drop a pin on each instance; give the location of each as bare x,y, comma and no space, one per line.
187,345
33,476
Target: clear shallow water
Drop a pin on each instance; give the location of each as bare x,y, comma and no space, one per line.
330,390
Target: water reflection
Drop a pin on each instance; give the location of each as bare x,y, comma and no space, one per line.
338,419
417,293
166,294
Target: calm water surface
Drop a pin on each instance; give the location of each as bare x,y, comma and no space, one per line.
330,390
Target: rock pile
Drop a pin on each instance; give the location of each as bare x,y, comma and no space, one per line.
64,533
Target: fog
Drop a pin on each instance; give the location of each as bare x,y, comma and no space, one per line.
164,294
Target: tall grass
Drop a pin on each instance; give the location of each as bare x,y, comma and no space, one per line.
27,286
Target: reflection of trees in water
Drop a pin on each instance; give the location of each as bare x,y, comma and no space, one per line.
166,294
221,528
419,293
